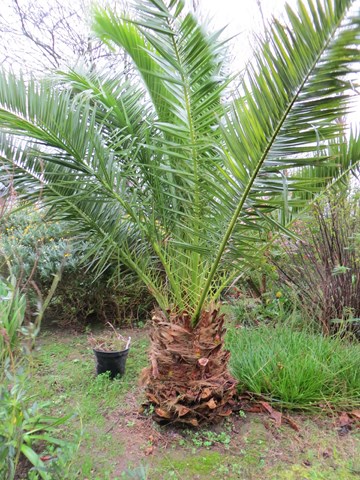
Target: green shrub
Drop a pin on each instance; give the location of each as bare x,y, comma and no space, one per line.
34,247
272,307
37,249
296,369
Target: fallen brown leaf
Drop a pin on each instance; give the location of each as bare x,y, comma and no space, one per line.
274,414
267,406
344,420
291,423
277,417
356,414
225,413
253,409
149,450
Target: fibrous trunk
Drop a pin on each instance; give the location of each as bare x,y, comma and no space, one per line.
188,381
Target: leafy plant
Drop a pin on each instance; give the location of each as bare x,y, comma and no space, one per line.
274,307
137,473
324,265
172,180
207,438
29,242
23,423
12,310
37,249
58,462
296,369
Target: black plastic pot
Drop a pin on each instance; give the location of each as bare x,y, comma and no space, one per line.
113,362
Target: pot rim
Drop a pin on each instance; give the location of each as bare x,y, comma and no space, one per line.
95,350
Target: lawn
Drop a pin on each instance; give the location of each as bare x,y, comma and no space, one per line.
116,441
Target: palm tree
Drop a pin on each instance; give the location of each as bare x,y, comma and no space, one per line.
174,181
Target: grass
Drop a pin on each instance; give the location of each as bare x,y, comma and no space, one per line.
296,369
64,375
66,370
119,444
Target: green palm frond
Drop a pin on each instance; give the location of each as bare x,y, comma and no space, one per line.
169,178
293,95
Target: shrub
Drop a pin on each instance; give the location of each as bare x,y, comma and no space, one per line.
271,307
296,369
324,266
81,298
36,250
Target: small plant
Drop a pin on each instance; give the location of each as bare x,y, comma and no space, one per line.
12,310
23,423
207,438
58,462
138,473
113,342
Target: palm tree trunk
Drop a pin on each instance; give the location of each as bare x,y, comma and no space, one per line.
188,381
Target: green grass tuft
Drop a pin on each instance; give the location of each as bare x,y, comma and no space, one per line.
296,369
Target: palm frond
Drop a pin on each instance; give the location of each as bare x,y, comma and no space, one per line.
167,176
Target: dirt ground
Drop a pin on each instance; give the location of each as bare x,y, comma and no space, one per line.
257,448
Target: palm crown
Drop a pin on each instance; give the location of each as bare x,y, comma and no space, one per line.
168,175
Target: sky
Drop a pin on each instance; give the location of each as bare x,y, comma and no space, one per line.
242,19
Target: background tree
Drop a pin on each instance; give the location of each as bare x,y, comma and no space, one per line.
37,36
173,182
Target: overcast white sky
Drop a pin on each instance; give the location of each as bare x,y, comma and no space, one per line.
242,18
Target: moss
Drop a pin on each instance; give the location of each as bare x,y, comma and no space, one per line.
300,472
203,464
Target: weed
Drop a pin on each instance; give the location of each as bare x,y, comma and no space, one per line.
149,410
138,473
23,422
207,438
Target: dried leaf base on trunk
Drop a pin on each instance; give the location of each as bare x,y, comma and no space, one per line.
188,381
